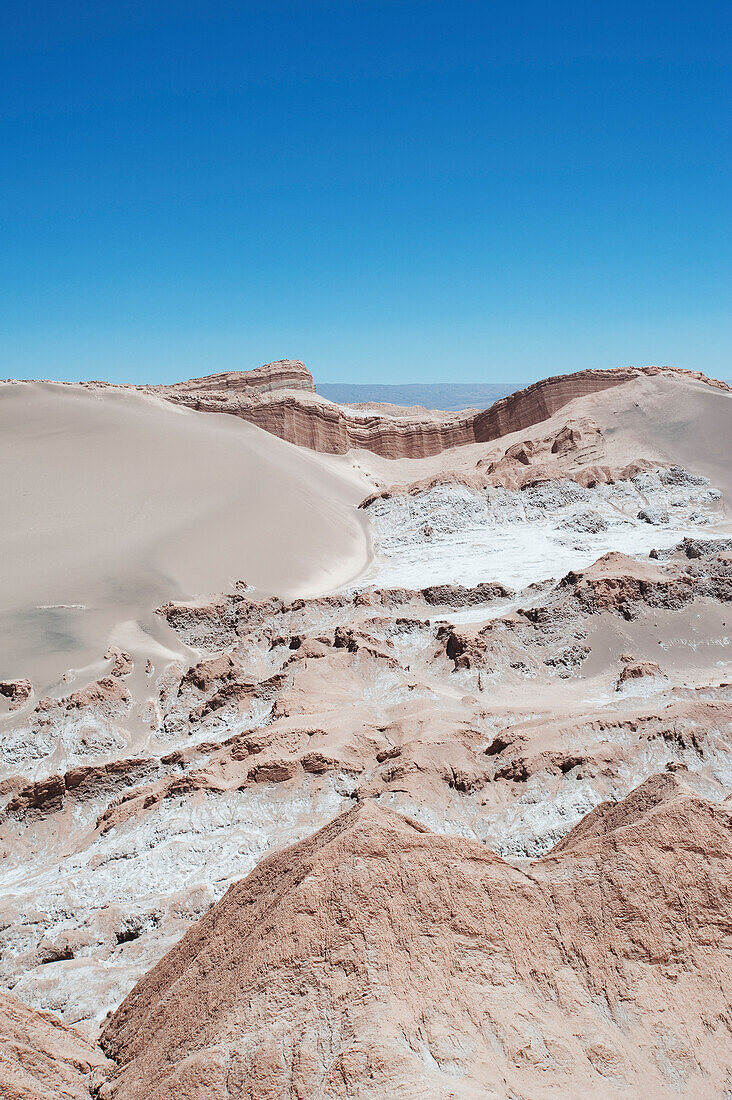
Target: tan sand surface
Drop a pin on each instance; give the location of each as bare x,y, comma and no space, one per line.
116,502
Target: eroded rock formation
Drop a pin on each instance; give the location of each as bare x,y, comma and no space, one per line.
285,374
512,729
43,1059
17,691
280,399
377,958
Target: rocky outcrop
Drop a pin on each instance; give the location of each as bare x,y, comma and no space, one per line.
107,695
49,795
377,958
439,595
122,663
530,406
43,1059
618,583
280,398
17,691
285,374
637,670
556,626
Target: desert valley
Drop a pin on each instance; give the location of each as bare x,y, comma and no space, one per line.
366,751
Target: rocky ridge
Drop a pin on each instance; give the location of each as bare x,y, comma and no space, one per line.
300,416
285,374
43,1059
304,979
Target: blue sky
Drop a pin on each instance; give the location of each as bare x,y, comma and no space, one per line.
392,191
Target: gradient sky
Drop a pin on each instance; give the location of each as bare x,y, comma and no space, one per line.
392,191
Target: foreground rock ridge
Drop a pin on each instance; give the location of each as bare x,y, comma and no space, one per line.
43,1059
379,959
413,781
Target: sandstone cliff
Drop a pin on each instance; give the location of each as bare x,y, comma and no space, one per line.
279,399
285,374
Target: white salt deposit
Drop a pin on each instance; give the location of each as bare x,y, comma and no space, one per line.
452,534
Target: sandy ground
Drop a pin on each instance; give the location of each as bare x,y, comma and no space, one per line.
116,502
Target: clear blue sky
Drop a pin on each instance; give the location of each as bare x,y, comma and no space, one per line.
391,191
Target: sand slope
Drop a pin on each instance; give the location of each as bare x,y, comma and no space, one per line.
116,501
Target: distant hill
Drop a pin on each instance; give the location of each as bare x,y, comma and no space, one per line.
438,395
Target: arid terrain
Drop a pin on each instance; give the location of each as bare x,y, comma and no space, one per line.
366,751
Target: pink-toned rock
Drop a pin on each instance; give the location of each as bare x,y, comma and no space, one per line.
17,691
208,673
280,399
285,374
122,663
385,960
107,693
637,670
43,1059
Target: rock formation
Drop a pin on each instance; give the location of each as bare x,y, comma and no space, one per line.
43,1059
17,691
280,399
447,815
285,374
379,959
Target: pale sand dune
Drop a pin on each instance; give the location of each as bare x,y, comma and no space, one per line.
116,502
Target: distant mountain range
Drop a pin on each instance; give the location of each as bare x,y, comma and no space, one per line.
438,395
449,396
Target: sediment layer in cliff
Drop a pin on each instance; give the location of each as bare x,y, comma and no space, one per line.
284,374
278,399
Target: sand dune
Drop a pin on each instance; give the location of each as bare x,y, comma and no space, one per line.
117,501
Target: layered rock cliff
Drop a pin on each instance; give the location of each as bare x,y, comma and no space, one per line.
280,398
284,374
